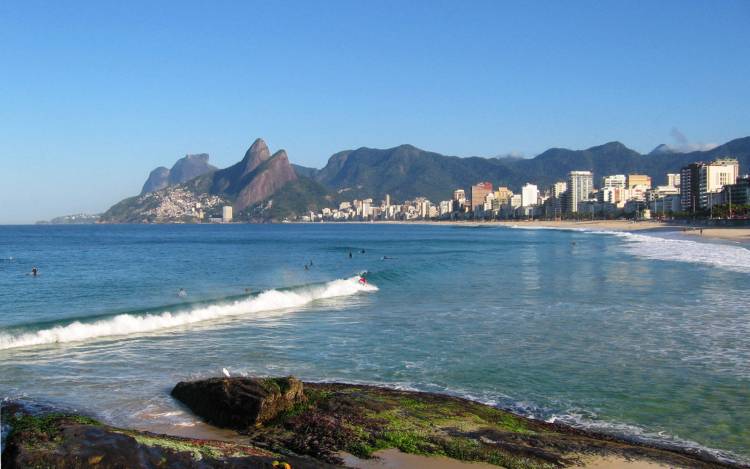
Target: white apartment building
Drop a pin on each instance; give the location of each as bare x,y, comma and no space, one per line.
613,181
580,185
529,195
559,189
226,214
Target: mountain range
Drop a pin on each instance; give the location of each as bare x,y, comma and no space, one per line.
265,186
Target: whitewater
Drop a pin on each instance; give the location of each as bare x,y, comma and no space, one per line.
129,324
658,246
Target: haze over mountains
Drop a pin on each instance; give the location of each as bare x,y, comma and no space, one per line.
183,170
265,186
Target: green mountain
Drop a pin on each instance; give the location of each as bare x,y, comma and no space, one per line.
406,172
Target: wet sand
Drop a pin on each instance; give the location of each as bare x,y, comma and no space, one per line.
395,459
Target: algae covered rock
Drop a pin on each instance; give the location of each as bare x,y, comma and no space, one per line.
240,402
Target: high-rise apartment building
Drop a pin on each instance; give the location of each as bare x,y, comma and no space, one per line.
580,185
714,176
690,187
529,195
479,193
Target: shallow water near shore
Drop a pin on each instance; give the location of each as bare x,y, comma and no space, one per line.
643,335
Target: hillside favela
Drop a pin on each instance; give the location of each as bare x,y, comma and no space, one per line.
375,235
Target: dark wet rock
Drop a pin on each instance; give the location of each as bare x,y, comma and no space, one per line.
66,440
240,403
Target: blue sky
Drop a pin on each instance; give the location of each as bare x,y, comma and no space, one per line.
93,95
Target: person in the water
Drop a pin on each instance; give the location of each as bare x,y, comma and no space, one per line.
362,251
350,254
34,272
182,293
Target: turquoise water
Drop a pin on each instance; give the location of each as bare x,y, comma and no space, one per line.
642,335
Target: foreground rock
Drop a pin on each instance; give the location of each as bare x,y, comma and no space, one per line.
362,420
65,440
240,403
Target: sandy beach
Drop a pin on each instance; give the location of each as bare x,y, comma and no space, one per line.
395,459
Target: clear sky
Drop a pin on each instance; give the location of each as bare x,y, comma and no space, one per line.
93,95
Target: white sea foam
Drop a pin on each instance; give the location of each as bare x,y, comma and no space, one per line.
127,324
722,256
660,247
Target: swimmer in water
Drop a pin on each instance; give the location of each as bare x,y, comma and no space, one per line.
362,251
182,293
34,272
350,254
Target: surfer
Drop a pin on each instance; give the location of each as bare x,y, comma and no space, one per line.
34,272
362,280
306,267
182,293
350,254
311,264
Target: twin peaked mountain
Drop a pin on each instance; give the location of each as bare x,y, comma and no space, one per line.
265,187
201,189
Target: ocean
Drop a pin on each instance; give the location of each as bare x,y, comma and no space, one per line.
643,335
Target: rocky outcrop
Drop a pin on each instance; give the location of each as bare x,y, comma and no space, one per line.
185,169
268,178
157,179
65,440
240,403
255,178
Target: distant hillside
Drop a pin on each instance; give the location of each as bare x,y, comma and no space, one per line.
185,169
406,172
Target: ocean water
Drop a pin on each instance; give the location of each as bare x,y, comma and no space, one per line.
646,336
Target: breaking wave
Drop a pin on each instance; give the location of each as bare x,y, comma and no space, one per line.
723,256
127,324
655,246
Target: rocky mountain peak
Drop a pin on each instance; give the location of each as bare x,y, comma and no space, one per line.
255,155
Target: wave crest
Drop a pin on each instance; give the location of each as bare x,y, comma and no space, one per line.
127,324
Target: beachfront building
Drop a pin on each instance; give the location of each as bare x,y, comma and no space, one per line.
446,208
690,187
459,200
673,179
580,185
479,193
226,214
737,193
614,181
559,188
714,176
636,180
503,195
529,195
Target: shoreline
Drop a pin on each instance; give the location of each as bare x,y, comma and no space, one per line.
739,234
410,429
